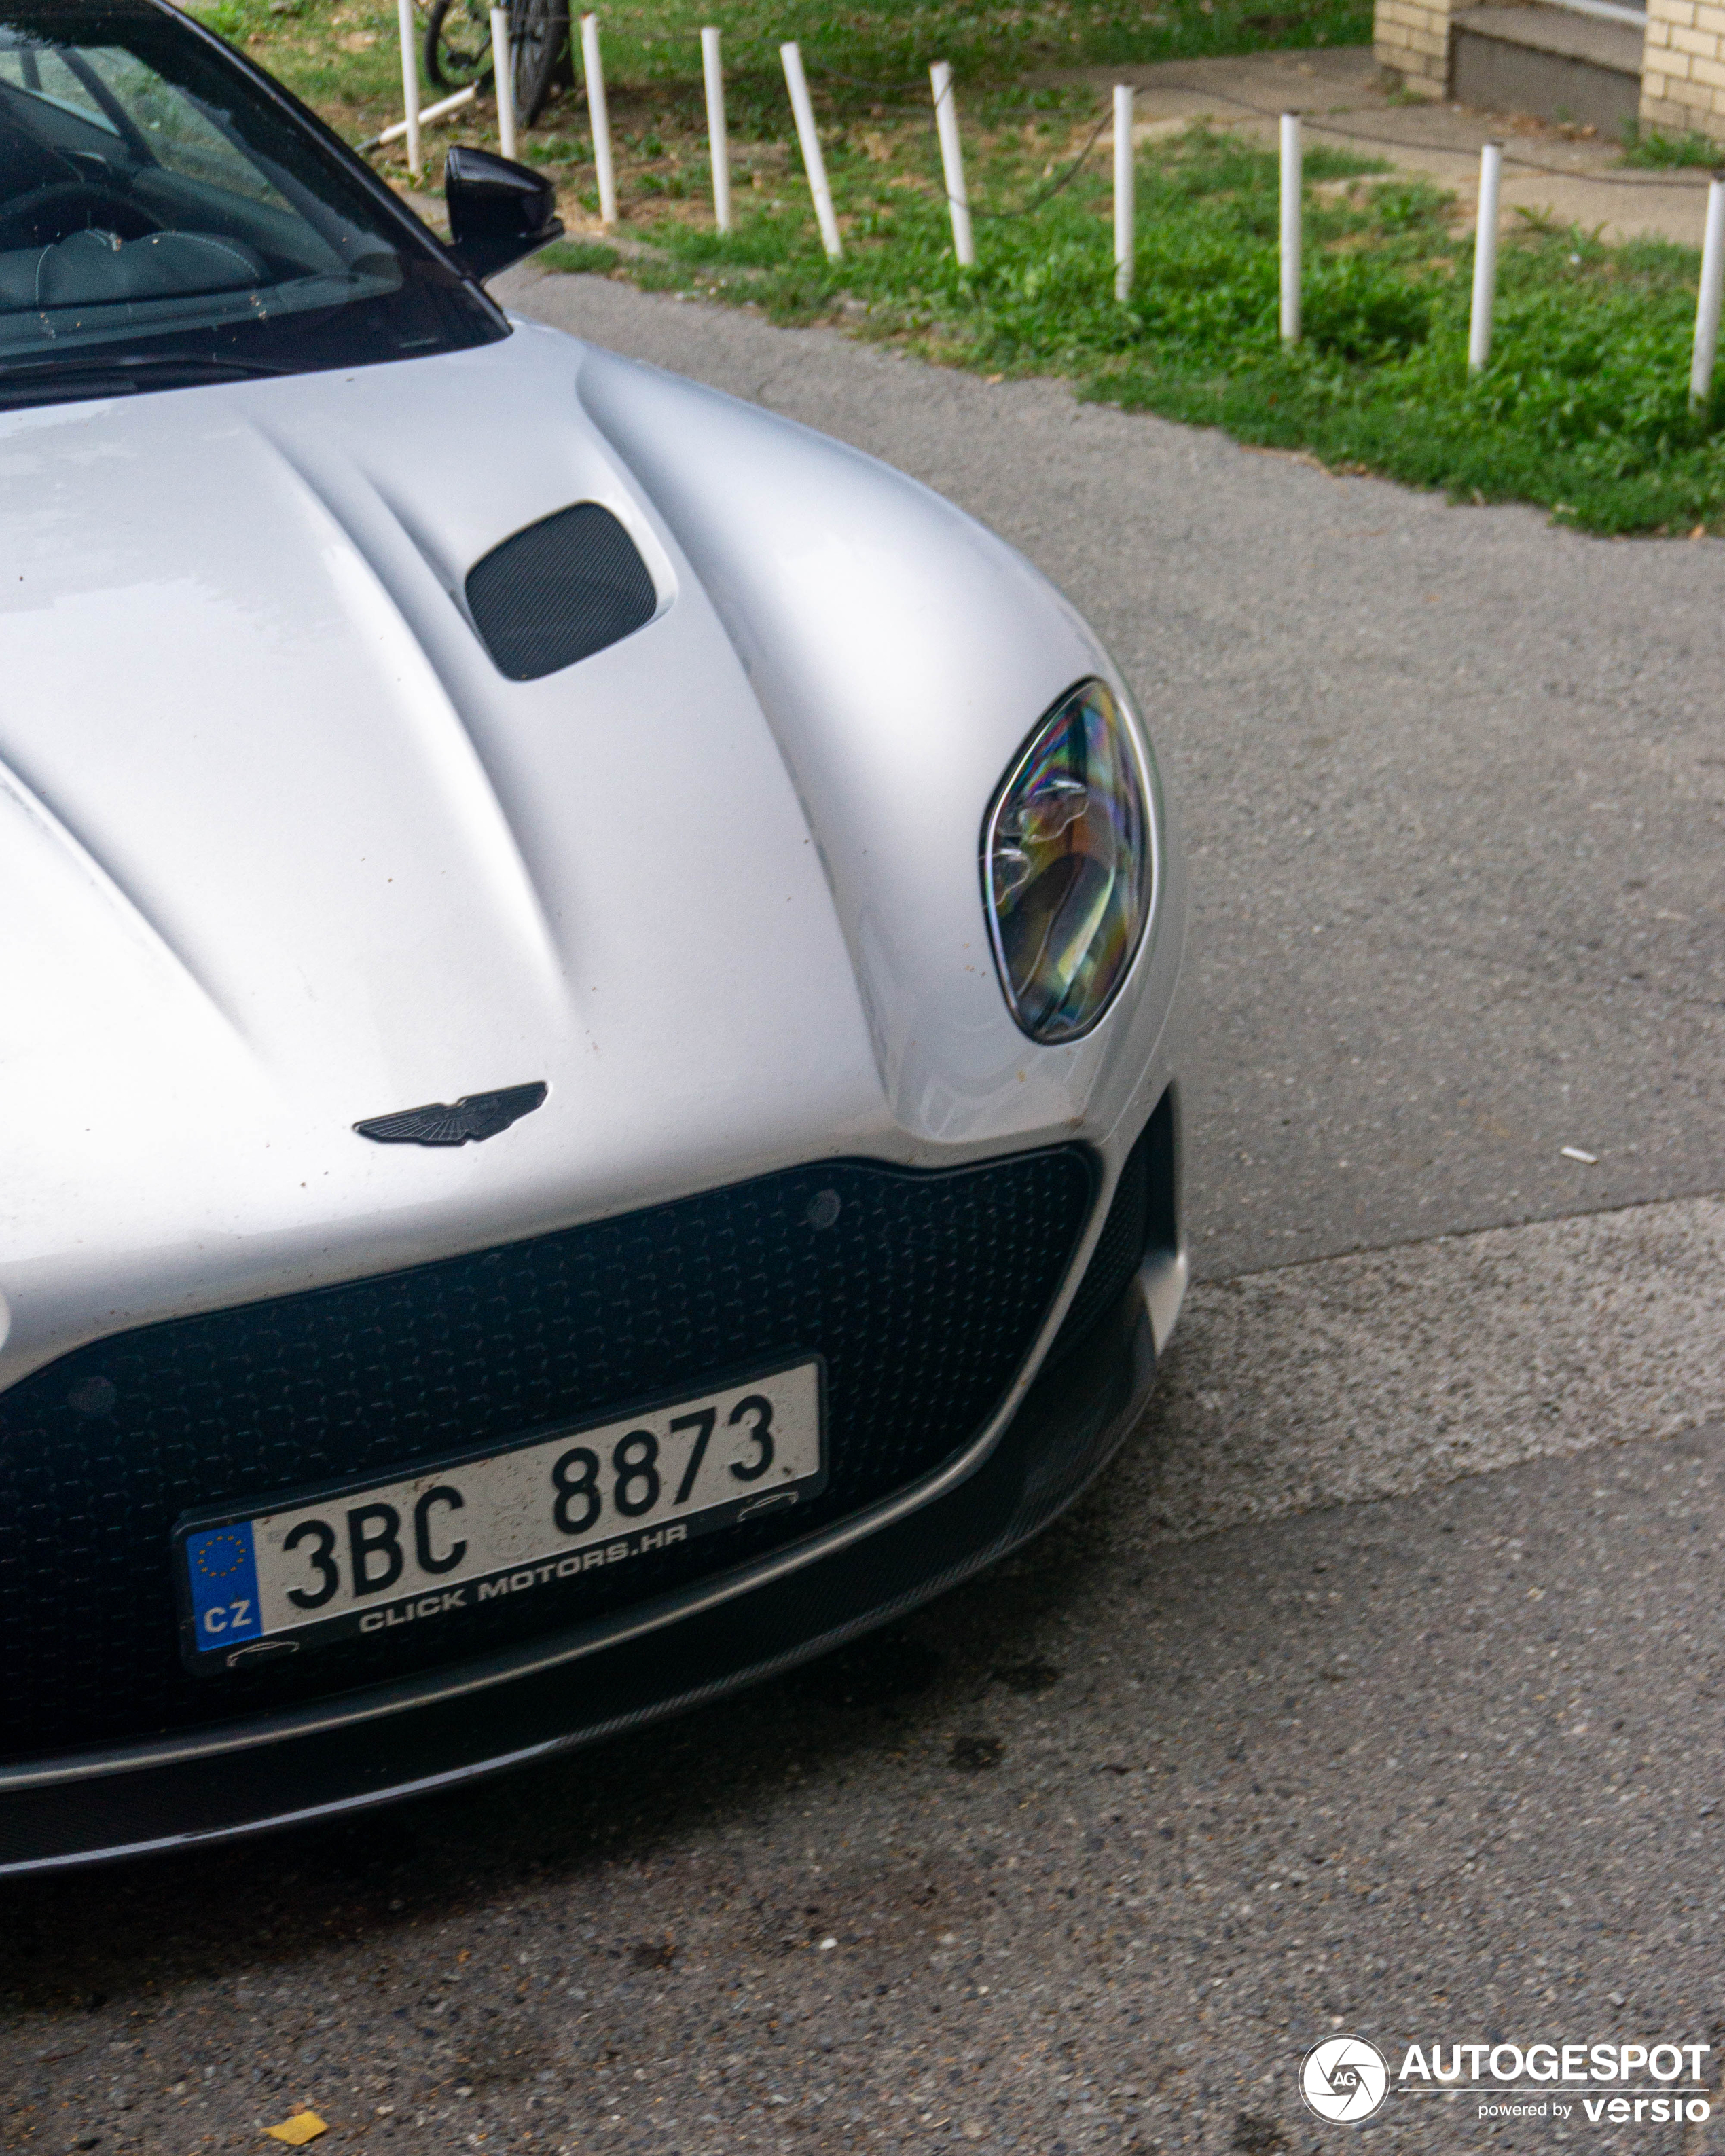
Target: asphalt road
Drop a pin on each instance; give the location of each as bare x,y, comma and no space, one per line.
1377,1687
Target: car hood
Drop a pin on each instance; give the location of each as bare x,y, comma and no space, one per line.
291,852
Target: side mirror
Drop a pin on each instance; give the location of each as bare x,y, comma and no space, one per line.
499,211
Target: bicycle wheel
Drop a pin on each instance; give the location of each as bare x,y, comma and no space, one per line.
539,31
458,44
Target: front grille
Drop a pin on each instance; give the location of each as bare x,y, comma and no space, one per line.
1119,1252
924,1291
1140,1220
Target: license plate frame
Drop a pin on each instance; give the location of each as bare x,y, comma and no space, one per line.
227,1535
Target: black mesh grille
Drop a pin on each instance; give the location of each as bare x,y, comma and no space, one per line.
1119,1250
559,591
923,1292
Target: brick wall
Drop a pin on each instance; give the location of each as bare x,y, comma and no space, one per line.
1683,67
1682,63
1413,37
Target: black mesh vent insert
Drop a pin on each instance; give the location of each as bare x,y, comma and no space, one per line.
1125,1240
559,591
923,1291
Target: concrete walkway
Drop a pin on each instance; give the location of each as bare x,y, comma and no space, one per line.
1546,169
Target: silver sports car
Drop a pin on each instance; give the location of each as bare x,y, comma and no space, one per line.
585,1050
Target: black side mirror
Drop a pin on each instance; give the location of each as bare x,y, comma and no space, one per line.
499,211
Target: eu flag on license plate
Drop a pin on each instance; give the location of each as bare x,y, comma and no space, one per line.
224,1571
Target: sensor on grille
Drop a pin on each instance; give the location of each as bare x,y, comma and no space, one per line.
559,591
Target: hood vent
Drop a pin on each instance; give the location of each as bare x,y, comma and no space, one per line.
559,591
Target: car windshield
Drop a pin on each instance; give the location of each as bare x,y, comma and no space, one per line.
167,217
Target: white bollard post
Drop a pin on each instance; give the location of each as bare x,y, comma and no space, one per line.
1126,207
503,76
409,36
812,162
1706,302
1485,258
440,111
718,140
1290,182
946,121
599,115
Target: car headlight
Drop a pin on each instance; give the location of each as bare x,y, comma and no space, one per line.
1068,866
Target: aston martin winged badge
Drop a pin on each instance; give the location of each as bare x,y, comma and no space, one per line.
474,1115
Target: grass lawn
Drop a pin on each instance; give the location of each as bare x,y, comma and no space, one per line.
1583,409
341,57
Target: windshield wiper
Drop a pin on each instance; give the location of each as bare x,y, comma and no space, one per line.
50,381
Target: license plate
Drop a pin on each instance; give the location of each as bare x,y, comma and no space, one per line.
373,1557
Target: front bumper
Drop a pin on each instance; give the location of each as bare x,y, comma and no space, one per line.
591,1682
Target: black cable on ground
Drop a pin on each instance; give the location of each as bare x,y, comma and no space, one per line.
1046,194
1390,142
1683,185
1049,192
